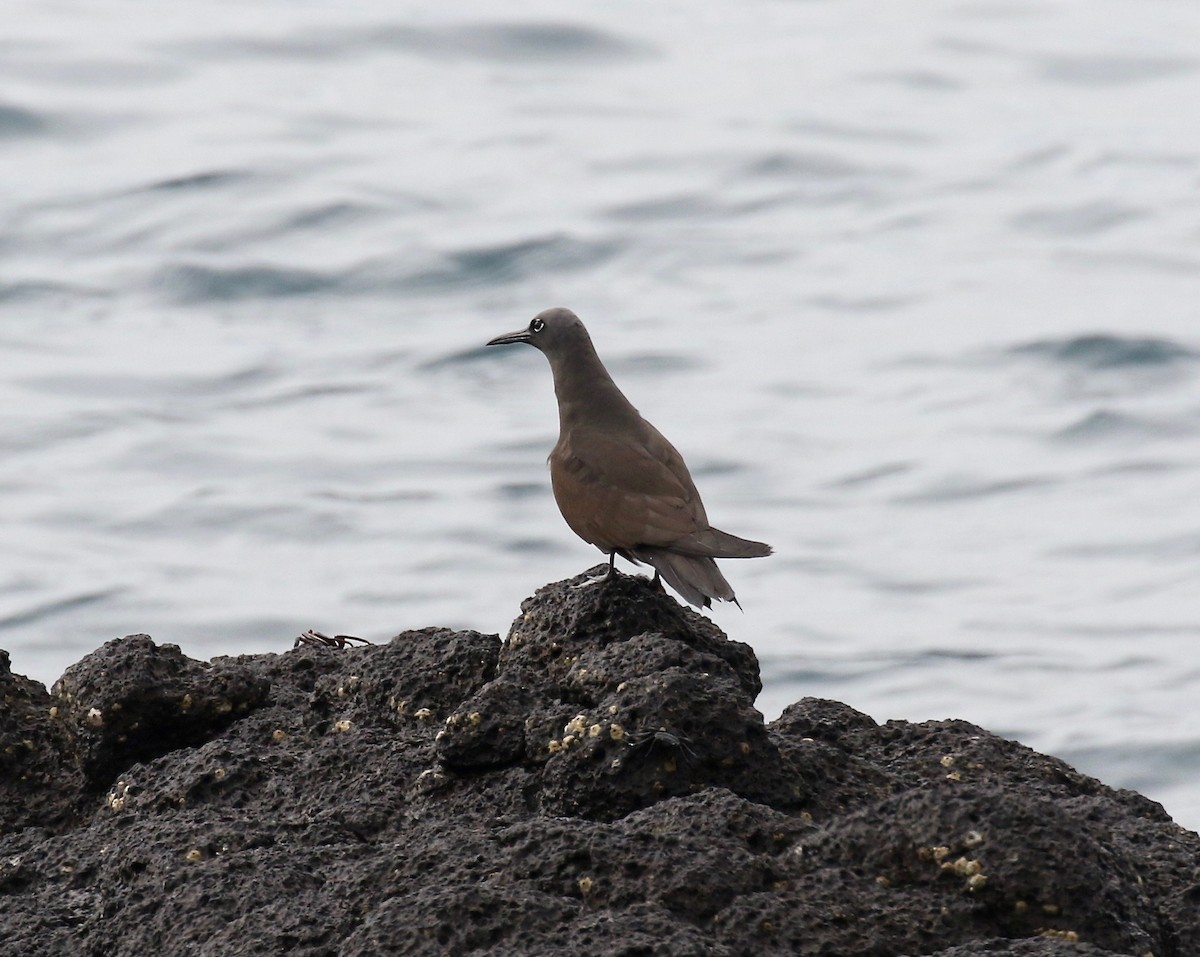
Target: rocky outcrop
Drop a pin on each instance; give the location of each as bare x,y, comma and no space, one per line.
600,784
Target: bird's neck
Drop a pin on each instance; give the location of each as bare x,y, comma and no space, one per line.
587,395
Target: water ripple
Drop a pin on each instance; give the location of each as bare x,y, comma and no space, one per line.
214,520
1168,548
1104,425
871,476
60,606
920,80
862,133
509,262
1101,351
681,206
966,489
864,303
194,284
54,435
1096,71
16,121
202,180
320,218
807,166
539,41
31,290
1084,219
142,386
496,42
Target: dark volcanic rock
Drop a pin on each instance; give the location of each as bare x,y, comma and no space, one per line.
599,784
622,698
38,769
133,700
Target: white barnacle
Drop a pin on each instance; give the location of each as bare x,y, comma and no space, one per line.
117,795
576,725
964,867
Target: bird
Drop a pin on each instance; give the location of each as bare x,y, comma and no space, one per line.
619,484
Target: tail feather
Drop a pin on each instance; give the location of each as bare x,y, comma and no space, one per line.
714,543
695,577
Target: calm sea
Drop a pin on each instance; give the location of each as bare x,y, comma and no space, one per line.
916,291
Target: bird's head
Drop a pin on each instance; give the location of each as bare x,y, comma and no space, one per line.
554,331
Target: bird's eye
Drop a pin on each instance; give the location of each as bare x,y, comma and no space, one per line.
537,325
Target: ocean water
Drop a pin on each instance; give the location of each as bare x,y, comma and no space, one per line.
915,291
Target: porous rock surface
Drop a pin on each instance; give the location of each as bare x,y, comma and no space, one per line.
598,784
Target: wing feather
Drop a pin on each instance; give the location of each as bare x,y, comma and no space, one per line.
621,492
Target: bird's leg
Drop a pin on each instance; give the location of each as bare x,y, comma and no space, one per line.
610,572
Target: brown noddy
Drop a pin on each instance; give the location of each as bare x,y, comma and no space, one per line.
619,484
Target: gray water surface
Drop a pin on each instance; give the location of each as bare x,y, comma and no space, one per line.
914,290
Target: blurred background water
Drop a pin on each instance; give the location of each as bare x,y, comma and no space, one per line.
914,290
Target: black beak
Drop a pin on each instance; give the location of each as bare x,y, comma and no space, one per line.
519,336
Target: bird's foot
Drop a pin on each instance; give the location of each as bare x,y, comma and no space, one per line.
597,580
313,637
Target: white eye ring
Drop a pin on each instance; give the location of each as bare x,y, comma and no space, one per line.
537,325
